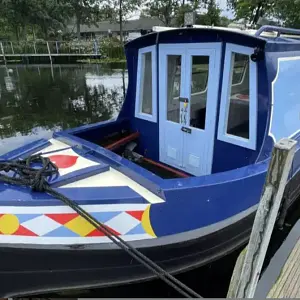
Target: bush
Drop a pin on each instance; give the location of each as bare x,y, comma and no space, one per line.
111,47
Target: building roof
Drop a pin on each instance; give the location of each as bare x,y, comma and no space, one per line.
132,25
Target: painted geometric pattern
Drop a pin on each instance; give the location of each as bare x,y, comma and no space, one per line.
71,225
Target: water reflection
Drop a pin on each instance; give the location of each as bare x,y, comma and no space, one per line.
36,100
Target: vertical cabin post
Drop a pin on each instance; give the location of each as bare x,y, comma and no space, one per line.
248,267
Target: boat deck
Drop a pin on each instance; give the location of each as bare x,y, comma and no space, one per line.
282,277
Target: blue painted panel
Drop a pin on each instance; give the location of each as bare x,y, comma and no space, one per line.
195,208
26,150
148,140
20,196
223,158
285,118
61,232
25,217
95,132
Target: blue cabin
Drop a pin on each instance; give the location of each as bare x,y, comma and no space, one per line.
206,101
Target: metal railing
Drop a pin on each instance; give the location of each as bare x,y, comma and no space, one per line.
59,48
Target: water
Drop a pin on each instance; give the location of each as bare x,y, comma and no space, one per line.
36,100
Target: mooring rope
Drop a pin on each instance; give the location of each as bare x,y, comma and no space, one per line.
35,178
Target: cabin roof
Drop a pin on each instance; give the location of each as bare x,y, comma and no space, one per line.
272,38
186,34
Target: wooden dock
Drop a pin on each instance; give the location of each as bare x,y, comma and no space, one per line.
281,278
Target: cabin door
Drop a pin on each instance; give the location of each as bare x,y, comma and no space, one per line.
188,93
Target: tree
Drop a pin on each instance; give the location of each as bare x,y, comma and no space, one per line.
251,10
119,11
164,10
184,7
287,11
24,14
84,11
213,15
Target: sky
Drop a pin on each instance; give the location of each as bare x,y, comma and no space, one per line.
222,4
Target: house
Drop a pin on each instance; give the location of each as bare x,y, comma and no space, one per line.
130,28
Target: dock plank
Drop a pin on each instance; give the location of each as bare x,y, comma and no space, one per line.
287,284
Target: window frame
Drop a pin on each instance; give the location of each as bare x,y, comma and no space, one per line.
225,99
139,83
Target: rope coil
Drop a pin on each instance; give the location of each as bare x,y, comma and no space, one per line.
36,179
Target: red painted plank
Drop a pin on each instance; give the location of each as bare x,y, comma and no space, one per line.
123,141
180,174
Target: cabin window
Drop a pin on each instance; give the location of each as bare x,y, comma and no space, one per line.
238,117
173,87
145,105
239,67
238,114
200,68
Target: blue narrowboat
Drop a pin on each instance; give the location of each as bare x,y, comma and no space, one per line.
177,175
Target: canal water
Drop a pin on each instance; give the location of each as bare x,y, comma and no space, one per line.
36,100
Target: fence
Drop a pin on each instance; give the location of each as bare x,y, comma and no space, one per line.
62,48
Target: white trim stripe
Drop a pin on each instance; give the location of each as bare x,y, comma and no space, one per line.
66,209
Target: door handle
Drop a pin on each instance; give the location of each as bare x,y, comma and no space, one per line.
186,129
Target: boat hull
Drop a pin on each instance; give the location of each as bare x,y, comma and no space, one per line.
28,270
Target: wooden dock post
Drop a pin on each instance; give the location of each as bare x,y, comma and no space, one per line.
2,50
49,52
248,267
12,48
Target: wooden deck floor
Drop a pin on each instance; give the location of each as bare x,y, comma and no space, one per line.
281,278
288,283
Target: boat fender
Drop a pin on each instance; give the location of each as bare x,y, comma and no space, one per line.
130,154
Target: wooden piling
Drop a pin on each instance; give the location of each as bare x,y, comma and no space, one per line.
245,277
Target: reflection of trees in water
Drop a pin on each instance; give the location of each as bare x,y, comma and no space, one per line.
58,100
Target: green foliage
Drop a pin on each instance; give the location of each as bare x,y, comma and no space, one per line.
171,12
288,11
111,48
164,10
23,16
252,10
213,15
46,18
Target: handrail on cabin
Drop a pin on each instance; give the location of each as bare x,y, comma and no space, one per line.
278,29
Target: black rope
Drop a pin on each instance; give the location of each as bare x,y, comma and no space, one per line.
36,178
